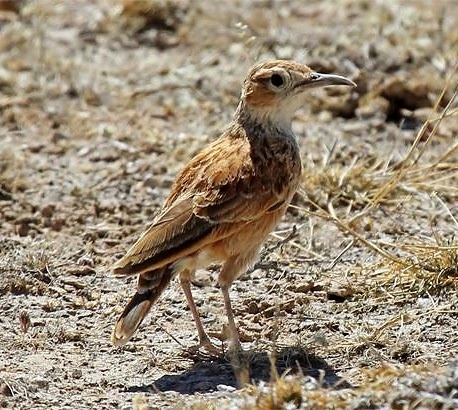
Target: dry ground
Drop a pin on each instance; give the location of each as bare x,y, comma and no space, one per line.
102,102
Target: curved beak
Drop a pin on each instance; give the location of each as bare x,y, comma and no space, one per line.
322,80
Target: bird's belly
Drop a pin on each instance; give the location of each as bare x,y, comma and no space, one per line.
243,243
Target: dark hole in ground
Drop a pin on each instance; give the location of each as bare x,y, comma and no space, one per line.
337,298
205,375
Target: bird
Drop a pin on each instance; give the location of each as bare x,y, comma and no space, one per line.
226,200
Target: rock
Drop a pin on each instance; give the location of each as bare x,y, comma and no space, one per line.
57,224
48,210
58,137
77,373
23,229
340,292
225,388
5,390
304,286
252,307
13,6
41,383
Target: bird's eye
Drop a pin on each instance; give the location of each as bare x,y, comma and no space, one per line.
276,80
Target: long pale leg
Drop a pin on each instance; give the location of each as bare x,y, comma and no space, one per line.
227,275
235,339
204,340
239,362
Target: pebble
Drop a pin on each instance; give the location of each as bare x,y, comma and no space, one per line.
22,229
304,287
225,387
48,210
253,307
41,383
5,390
77,373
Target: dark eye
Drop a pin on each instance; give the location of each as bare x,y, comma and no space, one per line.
276,80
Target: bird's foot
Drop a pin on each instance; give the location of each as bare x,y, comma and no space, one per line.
205,349
239,360
234,351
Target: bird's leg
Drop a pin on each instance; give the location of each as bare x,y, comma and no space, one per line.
237,358
227,275
235,339
204,340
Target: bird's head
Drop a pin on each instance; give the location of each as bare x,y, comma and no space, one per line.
274,91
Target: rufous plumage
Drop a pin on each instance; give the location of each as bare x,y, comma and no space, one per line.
227,199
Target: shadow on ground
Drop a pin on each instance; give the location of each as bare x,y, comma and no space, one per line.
207,373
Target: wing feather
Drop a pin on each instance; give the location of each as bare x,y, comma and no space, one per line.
175,229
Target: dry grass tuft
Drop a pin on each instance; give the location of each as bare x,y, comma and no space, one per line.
282,392
372,186
12,173
200,405
428,271
343,185
23,286
161,14
390,385
140,402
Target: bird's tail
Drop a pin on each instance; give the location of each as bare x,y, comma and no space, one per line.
150,287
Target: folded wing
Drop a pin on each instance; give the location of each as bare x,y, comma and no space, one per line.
214,196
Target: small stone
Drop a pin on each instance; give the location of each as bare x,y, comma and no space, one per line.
5,390
226,388
319,338
58,136
35,148
340,292
152,181
23,229
57,224
253,307
304,287
41,383
48,210
422,114
77,373
92,97
107,205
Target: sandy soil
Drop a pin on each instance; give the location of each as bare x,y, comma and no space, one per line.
355,294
